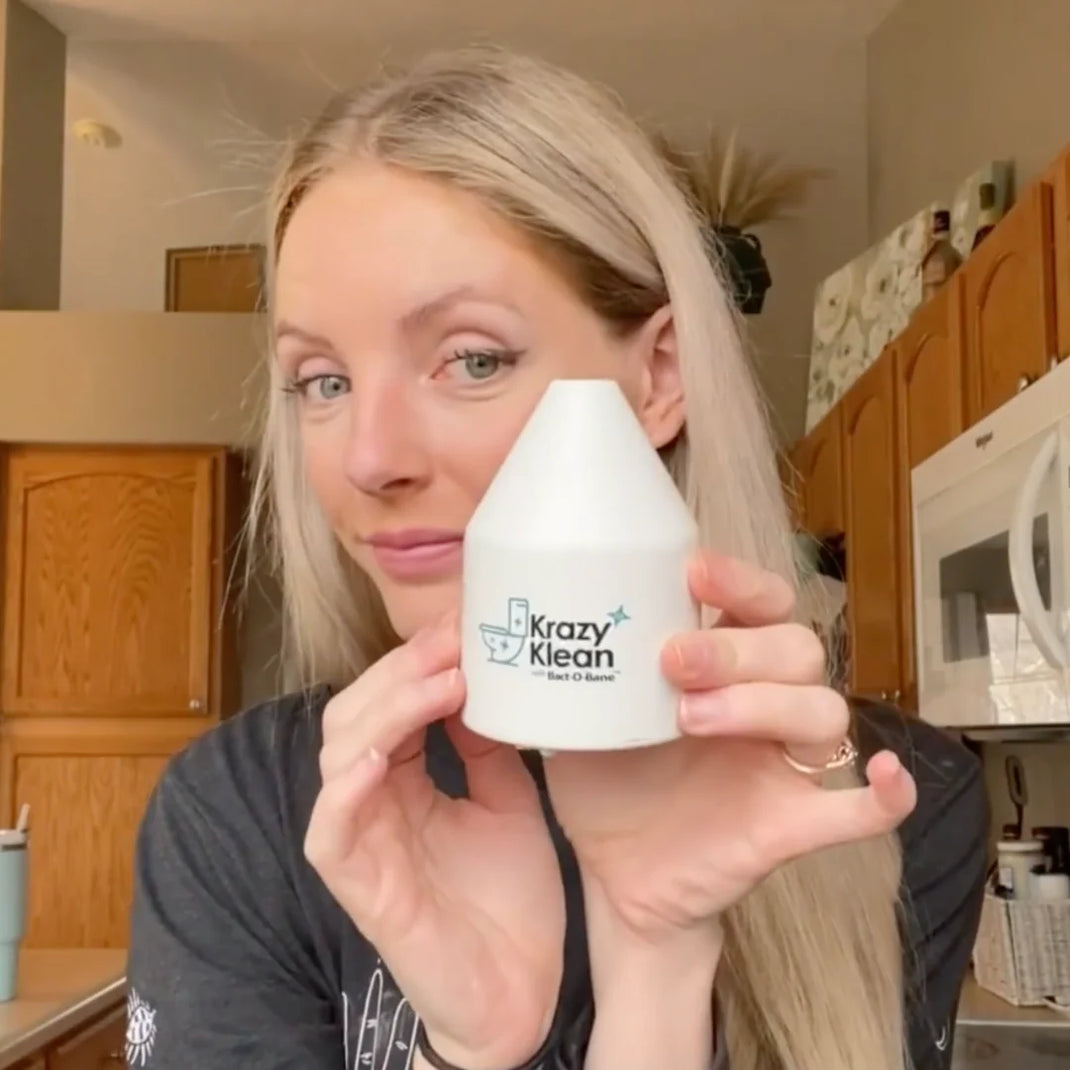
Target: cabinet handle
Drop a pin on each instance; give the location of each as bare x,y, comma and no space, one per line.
195,704
1025,381
114,1057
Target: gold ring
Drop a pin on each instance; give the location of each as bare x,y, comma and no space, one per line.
845,755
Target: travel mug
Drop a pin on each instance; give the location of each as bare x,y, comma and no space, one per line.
13,879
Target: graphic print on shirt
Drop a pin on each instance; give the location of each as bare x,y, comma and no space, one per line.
384,1035
943,1039
140,1030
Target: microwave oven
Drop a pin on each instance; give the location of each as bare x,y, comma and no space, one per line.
991,531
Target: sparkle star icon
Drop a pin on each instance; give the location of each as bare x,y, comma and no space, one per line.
618,616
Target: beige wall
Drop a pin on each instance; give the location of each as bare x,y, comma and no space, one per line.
33,73
114,377
954,84
201,125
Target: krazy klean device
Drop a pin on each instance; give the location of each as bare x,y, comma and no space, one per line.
575,575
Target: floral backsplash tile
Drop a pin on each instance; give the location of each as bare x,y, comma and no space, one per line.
864,305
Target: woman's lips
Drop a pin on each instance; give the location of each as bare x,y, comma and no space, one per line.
414,556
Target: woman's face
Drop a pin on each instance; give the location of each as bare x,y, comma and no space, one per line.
417,331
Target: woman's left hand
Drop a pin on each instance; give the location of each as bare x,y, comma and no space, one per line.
669,837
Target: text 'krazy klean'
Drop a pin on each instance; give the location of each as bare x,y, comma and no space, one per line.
569,643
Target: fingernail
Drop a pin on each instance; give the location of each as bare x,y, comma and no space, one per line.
691,652
701,708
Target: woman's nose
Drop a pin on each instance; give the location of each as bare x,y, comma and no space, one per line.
386,453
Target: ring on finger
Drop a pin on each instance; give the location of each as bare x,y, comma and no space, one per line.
845,754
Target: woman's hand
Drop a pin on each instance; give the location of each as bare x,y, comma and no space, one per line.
669,837
462,898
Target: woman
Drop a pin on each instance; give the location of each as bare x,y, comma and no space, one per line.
348,877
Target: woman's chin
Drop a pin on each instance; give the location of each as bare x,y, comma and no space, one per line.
413,608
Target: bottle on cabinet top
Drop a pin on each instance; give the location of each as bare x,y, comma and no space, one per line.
942,259
989,216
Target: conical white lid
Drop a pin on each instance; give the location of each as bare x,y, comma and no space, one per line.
582,473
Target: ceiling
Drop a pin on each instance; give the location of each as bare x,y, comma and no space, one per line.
311,20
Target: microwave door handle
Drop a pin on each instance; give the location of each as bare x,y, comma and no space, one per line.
1020,557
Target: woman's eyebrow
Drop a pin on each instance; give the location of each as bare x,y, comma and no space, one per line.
425,313
411,321
285,329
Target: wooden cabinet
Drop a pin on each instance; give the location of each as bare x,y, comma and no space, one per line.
929,414
113,562
87,783
119,648
36,1063
1009,304
872,526
997,326
818,462
1059,180
99,1046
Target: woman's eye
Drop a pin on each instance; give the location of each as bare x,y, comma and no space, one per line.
320,387
481,364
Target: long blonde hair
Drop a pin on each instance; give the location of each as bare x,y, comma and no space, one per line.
811,978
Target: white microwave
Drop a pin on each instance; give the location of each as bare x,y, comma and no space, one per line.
991,526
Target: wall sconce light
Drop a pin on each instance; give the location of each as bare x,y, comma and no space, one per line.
97,134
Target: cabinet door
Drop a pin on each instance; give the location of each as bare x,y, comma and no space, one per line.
1010,305
1060,183
87,783
112,597
871,490
36,1063
99,1046
818,462
929,413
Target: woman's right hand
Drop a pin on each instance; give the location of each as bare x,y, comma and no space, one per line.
462,898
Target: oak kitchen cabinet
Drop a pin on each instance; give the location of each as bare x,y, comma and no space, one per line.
817,461
99,1044
119,647
871,524
998,325
1009,287
1058,178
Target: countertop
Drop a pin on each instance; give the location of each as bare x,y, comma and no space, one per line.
980,1007
58,991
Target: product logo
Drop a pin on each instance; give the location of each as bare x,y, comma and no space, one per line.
560,649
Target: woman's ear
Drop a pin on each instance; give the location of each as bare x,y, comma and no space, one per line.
660,405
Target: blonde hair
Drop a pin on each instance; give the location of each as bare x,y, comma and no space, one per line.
811,977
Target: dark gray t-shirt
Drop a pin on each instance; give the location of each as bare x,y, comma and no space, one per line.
240,957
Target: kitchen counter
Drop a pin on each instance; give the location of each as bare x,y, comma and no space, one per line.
59,990
993,1034
977,1006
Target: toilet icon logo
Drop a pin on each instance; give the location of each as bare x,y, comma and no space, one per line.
505,644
